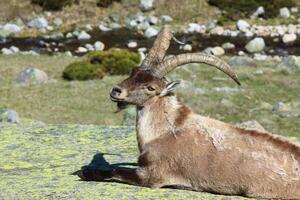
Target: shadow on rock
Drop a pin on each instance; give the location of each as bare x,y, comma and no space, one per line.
99,165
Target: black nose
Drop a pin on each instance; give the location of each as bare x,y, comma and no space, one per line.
116,91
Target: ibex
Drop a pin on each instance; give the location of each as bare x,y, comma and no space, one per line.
180,148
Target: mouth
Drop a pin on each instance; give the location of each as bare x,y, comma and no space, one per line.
121,104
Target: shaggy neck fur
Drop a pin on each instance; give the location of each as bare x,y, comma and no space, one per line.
159,116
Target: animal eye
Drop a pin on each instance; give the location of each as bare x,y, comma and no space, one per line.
150,88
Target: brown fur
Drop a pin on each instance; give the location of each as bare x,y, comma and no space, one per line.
180,148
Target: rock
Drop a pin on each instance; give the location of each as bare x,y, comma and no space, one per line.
40,157
114,25
255,45
132,44
57,21
227,103
251,125
166,19
294,10
104,28
259,12
217,51
152,20
89,47
14,49
284,12
99,46
146,5
82,50
289,38
242,25
131,24
290,63
150,32
69,35
281,107
226,89
68,53
260,57
142,49
129,116
11,28
219,30
83,36
31,76
38,23
88,27
228,45
6,51
241,61
241,53
249,34
143,26
186,47
8,115
195,28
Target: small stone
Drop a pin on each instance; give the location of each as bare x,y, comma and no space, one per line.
226,89
150,32
8,115
289,38
166,19
142,49
255,45
146,5
290,63
99,46
69,35
259,12
57,21
38,23
217,51
219,30
82,50
241,53
228,45
6,51
195,28
88,27
284,12
240,61
83,36
152,20
132,44
186,47
114,25
89,47
11,28
68,53
14,49
260,57
143,26
251,125
104,28
294,10
242,25
31,76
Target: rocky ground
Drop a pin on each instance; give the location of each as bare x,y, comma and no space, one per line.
37,161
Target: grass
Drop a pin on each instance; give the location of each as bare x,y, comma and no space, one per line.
61,101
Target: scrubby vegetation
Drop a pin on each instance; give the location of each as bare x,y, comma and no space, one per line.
98,63
244,8
106,3
53,4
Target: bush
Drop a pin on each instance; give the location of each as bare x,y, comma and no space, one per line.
99,63
82,70
53,4
106,3
244,8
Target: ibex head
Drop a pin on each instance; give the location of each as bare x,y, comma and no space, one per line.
149,80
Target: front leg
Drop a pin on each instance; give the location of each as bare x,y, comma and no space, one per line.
133,176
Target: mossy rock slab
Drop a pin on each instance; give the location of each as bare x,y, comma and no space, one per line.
37,160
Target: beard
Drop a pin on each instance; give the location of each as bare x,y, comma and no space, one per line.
121,106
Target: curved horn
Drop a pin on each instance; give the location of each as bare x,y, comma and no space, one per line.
171,63
157,52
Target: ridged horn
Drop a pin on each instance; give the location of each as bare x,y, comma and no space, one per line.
157,53
171,63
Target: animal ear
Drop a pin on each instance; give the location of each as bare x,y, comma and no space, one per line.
169,88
